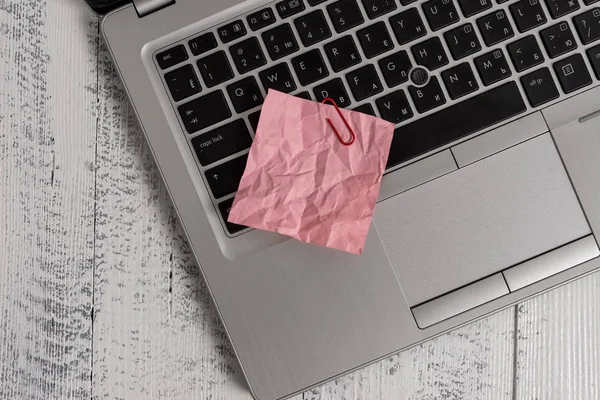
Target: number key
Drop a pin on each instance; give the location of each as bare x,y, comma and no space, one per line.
558,39
377,8
312,28
588,25
345,15
247,55
280,41
215,69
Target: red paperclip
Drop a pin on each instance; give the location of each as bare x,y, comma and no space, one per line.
353,135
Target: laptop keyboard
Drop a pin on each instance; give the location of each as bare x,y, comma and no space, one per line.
459,64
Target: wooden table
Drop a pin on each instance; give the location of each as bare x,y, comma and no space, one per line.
99,293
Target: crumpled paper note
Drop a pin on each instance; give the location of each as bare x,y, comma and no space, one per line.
301,181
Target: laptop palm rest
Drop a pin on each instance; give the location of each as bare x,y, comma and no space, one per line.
463,229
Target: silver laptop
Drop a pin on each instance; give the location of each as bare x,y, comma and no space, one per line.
492,191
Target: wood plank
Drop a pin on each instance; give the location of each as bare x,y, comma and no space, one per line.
559,343
47,151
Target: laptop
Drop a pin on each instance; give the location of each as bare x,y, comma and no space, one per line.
492,189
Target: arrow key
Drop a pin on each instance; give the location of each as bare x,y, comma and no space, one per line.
525,53
225,178
540,87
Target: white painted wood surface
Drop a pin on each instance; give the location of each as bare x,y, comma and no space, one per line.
101,298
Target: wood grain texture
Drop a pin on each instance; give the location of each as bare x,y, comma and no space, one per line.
47,129
559,343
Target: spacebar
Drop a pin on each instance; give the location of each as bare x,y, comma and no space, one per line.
454,122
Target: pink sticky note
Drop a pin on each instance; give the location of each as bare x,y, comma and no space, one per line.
301,181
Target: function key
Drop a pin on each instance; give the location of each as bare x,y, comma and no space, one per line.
171,57
345,15
539,87
462,41
232,31
278,78
495,27
245,94
183,82
558,8
395,68
472,7
225,209
492,67
364,82
377,8
333,89
215,69
428,97
525,53
260,19
460,80
247,55
375,39
222,142
528,14
342,53
408,26
288,8
558,39
394,107
440,13
280,41
310,67
430,54
572,73
204,111
312,28
594,56
203,43
588,25
225,178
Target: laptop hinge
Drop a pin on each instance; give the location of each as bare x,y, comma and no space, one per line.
146,7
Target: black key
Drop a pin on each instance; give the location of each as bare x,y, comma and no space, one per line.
280,41
408,26
315,2
304,95
364,82
375,39
394,107
495,27
558,8
222,142
345,15
427,97
215,69
335,90
254,118
540,87
472,7
528,14
406,2
440,13
312,28
245,94
225,178
492,67
460,80
342,53
459,120
430,54
247,55
260,19
588,25
366,108
171,57
203,43
279,78
572,73
462,41
288,8
377,8
501,1
594,56
204,111
525,53
588,2
395,68
232,31
310,67
558,39
225,209
183,82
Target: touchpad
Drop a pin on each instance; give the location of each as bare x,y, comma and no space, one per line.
480,220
